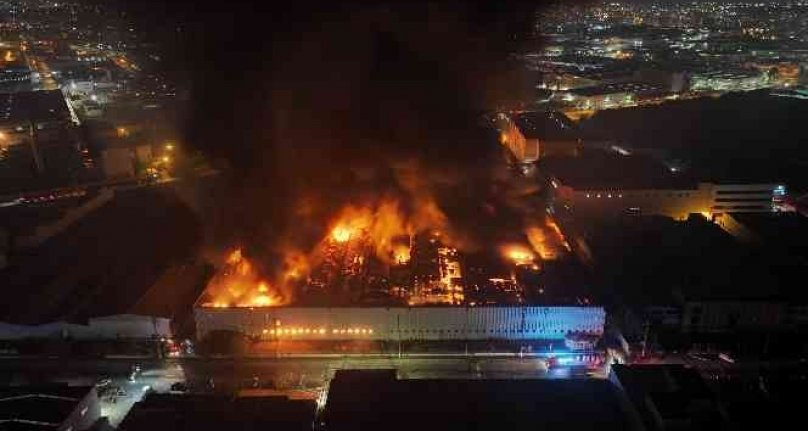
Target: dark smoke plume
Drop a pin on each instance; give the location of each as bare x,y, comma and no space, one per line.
312,108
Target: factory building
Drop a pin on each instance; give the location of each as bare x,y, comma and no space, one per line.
404,323
604,183
611,96
531,136
741,80
49,407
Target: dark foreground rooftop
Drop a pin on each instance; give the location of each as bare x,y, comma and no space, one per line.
178,412
35,407
363,400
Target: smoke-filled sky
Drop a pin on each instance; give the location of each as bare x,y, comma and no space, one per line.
311,108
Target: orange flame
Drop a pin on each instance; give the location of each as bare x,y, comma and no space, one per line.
518,254
238,285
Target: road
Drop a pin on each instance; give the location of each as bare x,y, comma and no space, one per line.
45,73
284,374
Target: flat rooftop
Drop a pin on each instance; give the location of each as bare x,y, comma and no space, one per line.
786,231
104,263
545,125
655,259
623,87
600,169
35,106
376,399
159,412
25,406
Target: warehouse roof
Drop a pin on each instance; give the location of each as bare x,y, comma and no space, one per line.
545,125
599,169
35,407
362,399
33,106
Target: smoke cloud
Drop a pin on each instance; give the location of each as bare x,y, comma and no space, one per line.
310,111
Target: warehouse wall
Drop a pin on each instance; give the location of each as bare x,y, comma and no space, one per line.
416,323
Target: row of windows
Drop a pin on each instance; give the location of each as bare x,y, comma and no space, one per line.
489,331
763,199
741,207
743,192
638,195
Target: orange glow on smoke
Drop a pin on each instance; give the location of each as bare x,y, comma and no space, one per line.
547,241
341,234
385,227
238,284
518,254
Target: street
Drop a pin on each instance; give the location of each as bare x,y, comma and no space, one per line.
228,375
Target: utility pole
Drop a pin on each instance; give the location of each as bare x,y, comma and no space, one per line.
645,337
40,166
398,331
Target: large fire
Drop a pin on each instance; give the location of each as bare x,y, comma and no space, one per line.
403,248
238,285
382,228
518,254
385,227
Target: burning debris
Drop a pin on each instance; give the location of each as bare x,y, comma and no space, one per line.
237,284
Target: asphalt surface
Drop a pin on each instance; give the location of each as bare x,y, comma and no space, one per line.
228,375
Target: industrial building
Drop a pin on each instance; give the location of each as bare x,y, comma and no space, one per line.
602,183
534,135
740,80
37,140
122,326
403,323
52,407
611,96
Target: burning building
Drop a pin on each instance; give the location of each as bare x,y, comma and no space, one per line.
404,323
385,199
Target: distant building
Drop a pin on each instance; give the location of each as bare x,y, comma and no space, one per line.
53,407
741,80
37,137
604,183
121,326
611,96
14,71
261,410
533,135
